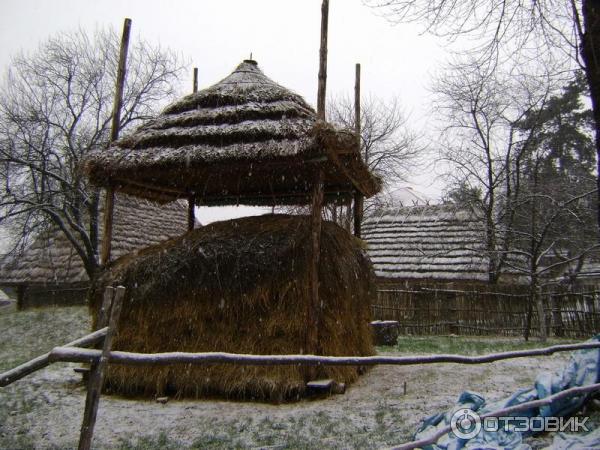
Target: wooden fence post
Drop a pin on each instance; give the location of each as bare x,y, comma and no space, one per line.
97,374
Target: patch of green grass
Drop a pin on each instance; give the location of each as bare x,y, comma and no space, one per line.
30,333
466,345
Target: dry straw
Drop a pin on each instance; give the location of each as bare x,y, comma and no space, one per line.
239,286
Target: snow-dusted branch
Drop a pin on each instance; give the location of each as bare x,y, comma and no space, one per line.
72,354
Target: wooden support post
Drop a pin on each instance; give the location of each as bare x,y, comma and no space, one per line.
357,125
114,135
98,371
314,310
358,211
358,197
323,61
109,209
192,198
21,293
104,312
191,212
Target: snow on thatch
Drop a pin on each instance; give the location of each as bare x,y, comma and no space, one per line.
437,242
243,140
51,259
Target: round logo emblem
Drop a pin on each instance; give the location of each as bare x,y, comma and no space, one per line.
465,423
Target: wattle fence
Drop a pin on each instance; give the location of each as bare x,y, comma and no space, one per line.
503,312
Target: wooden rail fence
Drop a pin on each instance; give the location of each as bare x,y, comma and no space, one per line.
109,314
471,312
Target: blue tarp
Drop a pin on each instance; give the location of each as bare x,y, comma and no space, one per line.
582,369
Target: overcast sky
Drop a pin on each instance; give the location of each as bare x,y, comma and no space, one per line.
283,36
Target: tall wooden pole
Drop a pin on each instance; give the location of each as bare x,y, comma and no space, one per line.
314,308
195,85
109,200
323,61
98,372
358,197
192,197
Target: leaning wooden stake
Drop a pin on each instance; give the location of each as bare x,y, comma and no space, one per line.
98,372
358,197
323,61
114,135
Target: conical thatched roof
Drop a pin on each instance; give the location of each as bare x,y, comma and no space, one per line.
52,260
243,140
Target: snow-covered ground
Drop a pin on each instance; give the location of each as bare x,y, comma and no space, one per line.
45,409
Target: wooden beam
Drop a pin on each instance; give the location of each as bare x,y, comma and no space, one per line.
191,212
357,118
358,214
114,135
79,355
358,197
323,61
98,371
314,308
108,218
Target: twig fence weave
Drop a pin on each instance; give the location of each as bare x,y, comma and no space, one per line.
427,311
99,359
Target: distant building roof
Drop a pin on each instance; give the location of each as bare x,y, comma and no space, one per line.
51,259
438,242
407,196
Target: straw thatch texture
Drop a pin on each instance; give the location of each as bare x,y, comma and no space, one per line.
240,286
429,242
243,140
51,259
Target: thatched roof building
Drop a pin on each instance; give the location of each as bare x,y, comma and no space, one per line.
258,285
50,267
429,242
240,286
245,140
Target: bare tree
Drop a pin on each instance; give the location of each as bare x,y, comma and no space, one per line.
520,156
517,31
480,141
388,145
55,106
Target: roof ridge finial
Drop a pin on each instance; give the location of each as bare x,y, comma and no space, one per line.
251,61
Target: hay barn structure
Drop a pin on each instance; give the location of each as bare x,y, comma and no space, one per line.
49,271
245,140
271,284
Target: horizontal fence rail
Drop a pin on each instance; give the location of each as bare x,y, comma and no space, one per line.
426,311
71,354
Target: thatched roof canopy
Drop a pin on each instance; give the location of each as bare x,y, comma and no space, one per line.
244,140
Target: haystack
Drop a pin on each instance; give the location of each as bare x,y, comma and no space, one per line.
240,286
